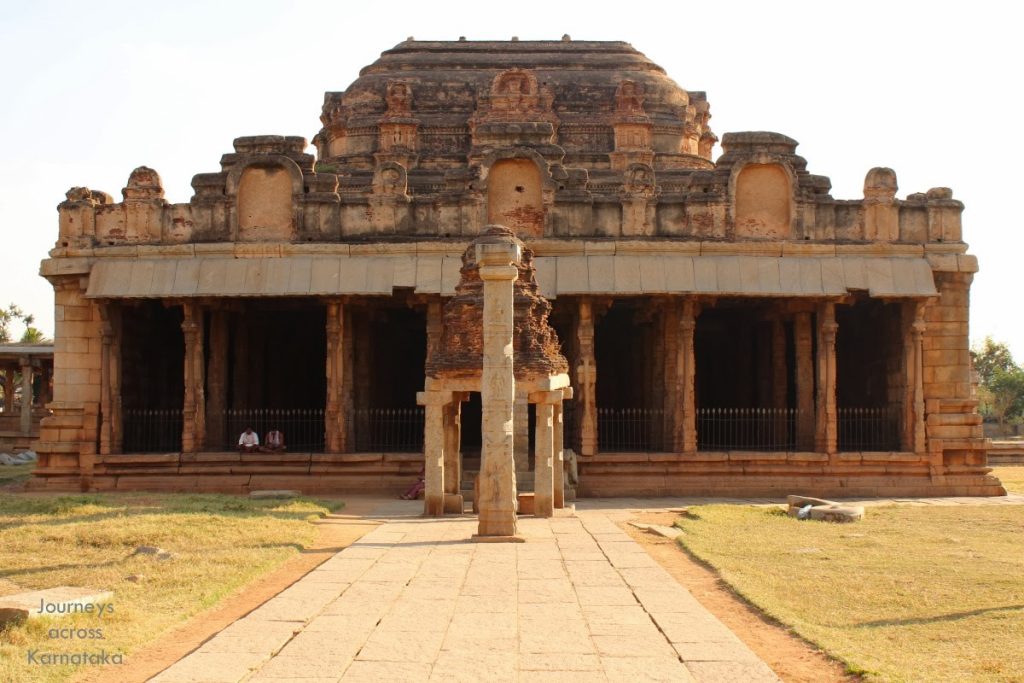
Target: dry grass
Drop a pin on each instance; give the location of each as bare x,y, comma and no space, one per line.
219,543
1012,477
909,594
15,474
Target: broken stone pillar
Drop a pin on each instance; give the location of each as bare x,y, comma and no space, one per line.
558,457
521,432
26,395
497,392
805,423
543,452
433,450
586,374
827,414
335,428
193,429
453,502
686,373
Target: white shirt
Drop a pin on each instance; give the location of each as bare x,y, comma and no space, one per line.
249,439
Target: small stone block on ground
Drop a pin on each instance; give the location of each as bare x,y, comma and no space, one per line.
55,602
281,494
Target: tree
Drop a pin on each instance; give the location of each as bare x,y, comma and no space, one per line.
10,315
33,335
990,357
1002,381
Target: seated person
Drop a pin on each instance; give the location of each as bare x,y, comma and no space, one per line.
249,441
414,491
274,442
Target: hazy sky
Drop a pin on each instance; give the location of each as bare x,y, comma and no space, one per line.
91,90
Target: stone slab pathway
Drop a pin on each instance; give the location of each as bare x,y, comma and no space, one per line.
416,600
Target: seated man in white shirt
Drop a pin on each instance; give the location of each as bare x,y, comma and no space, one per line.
249,441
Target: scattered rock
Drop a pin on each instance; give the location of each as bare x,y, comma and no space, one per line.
26,456
158,553
135,578
7,459
640,525
822,510
274,494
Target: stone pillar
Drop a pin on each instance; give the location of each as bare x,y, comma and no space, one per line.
780,382
435,326
453,502
543,452
668,369
216,381
558,456
827,415
805,422
348,385
193,432
916,380
497,391
686,374
433,450
106,397
586,373
335,427
521,432
9,389
26,395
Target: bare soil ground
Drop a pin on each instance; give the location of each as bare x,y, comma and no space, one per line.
792,658
335,532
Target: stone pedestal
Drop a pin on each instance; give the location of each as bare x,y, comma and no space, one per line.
497,472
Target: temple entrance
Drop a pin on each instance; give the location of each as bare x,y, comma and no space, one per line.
389,349
152,377
630,383
870,375
265,369
745,384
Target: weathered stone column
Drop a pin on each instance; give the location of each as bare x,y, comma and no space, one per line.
453,502
917,329
9,389
348,404
497,392
217,379
433,450
780,381
686,374
26,395
586,374
106,399
521,432
827,415
335,427
193,431
558,458
543,451
805,422
668,369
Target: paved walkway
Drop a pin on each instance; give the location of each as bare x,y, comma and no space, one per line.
415,600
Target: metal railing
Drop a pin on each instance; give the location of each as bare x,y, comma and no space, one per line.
753,429
149,430
303,428
629,429
389,430
869,429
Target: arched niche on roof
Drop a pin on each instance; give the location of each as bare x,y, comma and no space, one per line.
763,202
515,198
265,207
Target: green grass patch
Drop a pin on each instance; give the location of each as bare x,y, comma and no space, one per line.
1012,477
219,544
15,474
908,594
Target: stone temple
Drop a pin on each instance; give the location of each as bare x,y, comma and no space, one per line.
518,259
